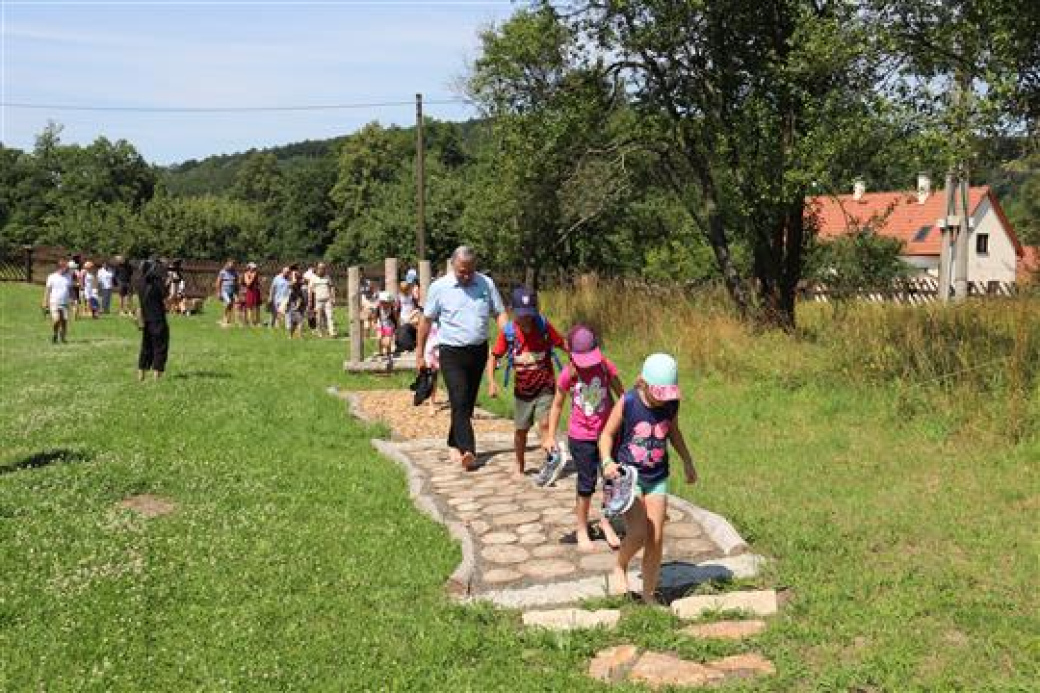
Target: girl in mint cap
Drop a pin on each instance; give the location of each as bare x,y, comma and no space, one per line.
637,436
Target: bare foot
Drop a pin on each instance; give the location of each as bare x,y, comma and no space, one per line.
585,545
617,583
650,600
454,455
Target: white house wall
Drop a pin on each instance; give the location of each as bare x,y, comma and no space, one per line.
999,263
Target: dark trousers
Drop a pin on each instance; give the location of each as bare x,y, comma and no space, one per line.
462,368
155,346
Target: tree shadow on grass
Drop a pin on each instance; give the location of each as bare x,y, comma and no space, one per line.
46,458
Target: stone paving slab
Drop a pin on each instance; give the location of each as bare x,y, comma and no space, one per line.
518,539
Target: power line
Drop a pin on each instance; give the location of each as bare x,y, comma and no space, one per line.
223,109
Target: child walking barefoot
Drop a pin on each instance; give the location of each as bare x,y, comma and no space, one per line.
644,422
592,382
433,362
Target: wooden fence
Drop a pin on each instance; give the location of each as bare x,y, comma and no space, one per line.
33,264
907,291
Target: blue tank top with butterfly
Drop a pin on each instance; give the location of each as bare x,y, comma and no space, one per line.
643,443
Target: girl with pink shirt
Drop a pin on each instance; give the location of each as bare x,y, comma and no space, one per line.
592,382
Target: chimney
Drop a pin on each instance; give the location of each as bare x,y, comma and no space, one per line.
924,187
859,189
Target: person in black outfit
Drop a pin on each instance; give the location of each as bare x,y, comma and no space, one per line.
151,319
124,275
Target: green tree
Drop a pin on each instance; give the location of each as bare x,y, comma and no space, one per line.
749,105
549,171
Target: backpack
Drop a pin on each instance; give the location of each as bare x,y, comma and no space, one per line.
510,334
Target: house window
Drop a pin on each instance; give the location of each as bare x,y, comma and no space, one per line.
922,233
982,243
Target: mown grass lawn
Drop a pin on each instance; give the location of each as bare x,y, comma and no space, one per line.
295,560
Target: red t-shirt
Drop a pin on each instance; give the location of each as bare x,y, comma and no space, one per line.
533,372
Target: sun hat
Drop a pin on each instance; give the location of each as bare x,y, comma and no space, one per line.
411,276
251,265
525,302
384,296
661,375
584,347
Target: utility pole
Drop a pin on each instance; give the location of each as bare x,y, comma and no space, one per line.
962,223
946,239
420,181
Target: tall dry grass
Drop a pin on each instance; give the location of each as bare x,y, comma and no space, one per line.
980,356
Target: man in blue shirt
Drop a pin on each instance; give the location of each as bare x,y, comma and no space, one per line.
461,302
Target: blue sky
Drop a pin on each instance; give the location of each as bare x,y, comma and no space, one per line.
160,53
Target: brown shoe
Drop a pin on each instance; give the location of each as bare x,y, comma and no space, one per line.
469,461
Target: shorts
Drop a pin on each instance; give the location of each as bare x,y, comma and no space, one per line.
652,488
227,297
59,313
585,454
124,289
527,411
386,332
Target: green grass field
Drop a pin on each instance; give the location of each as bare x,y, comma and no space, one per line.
296,561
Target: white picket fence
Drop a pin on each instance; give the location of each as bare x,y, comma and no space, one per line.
910,291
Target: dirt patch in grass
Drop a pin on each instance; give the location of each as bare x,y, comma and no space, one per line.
395,408
148,505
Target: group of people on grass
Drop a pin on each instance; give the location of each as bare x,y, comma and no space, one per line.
617,434
392,319
75,287
295,298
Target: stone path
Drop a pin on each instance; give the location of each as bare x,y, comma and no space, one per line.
517,539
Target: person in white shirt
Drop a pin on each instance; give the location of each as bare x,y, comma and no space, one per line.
56,300
323,299
106,282
90,289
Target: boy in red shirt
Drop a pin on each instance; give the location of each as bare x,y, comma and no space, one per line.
527,342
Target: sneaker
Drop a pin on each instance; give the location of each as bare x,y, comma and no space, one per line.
620,493
550,471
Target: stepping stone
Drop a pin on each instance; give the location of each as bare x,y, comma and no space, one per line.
683,531
760,603
532,539
499,538
743,666
505,554
725,630
547,568
571,619
532,528
499,508
521,518
468,507
500,575
598,561
659,670
551,551
692,547
479,526
611,664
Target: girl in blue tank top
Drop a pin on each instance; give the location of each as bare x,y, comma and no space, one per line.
637,435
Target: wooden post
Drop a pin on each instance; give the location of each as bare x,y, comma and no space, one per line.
447,267
28,263
390,275
357,334
424,280
420,181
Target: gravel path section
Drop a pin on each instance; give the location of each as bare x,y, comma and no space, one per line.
517,538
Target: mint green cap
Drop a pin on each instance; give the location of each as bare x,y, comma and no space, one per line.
661,374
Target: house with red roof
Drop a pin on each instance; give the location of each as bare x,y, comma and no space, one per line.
994,252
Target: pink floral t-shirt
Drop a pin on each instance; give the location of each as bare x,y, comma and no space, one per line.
591,399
